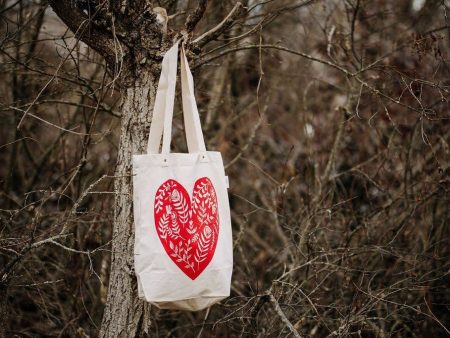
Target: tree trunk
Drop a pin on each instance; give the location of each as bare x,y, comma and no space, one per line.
140,30
125,315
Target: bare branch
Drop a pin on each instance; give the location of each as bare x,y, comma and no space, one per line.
265,46
283,317
226,23
83,28
196,15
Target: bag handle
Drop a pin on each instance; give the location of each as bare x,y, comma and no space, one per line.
164,99
163,109
193,127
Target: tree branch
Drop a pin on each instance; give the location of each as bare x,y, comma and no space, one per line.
226,23
246,47
283,317
196,15
81,26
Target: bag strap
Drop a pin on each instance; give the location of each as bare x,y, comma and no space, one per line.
192,125
163,109
165,96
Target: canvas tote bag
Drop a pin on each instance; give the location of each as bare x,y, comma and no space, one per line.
183,251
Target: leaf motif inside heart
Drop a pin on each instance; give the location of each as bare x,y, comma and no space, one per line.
188,227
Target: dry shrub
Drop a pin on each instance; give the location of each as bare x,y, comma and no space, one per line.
338,170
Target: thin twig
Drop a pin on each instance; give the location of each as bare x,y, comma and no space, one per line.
221,27
283,317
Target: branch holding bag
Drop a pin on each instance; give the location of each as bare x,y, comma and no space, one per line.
183,245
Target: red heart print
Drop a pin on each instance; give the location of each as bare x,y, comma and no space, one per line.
188,228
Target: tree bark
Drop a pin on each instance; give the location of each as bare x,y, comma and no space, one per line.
125,315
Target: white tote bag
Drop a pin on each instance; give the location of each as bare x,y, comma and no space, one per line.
183,250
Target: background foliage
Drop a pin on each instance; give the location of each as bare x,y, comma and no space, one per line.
332,117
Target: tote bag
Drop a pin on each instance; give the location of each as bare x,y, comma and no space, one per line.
183,251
